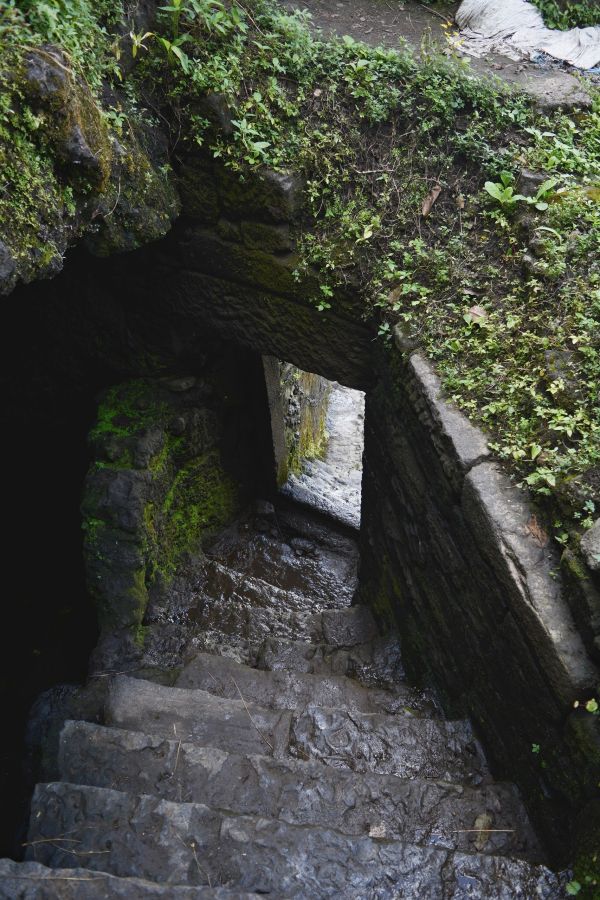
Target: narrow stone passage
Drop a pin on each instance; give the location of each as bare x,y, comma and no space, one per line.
287,756
333,484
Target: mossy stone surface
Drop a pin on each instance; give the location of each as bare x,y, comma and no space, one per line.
156,489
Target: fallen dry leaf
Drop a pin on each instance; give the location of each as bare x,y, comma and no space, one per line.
483,823
395,294
537,532
430,199
477,314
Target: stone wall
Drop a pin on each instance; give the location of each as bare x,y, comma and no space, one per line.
235,273
174,459
298,408
455,556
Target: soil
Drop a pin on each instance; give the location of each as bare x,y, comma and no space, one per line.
379,22
387,23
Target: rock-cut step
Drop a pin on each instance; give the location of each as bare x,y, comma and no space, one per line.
33,881
189,843
375,663
295,690
418,811
406,746
249,607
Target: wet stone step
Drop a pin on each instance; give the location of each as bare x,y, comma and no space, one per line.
241,605
295,553
291,690
296,521
239,627
418,811
300,566
345,627
196,715
175,843
376,663
391,745
33,881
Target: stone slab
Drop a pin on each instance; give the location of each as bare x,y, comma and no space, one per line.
292,690
417,810
196,715
406,746
33,881
454,437
377,663
190,843
507,535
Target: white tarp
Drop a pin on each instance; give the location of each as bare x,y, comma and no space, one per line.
515,28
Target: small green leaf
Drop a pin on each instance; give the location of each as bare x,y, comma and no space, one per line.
494,190
592,706
573,888
546,187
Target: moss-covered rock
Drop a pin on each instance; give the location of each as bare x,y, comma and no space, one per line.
156,489
71,164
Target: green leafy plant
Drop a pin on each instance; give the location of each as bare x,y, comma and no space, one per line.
174,52
504,192
137,41
564,14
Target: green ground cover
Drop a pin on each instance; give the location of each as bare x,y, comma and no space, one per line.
566,14
413,196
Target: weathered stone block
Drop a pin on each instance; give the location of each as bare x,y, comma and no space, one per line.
211,253
459,444
267,237
505,530
270,196
590,546
198,190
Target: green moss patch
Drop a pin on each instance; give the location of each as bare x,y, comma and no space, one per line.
152,497
200,499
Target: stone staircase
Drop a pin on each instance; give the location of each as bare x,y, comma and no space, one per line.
292,760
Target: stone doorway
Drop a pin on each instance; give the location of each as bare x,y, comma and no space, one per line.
318,440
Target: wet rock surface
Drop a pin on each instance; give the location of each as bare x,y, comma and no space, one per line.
435,812
291,760
272,574
33,881
191,843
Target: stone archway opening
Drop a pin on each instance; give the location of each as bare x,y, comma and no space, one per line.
318,440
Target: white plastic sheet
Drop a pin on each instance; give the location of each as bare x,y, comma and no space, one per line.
515,28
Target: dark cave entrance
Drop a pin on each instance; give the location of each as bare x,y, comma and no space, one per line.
49,626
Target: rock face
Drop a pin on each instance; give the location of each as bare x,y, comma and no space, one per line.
74,175
235,273
331,482
590,545
238,781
